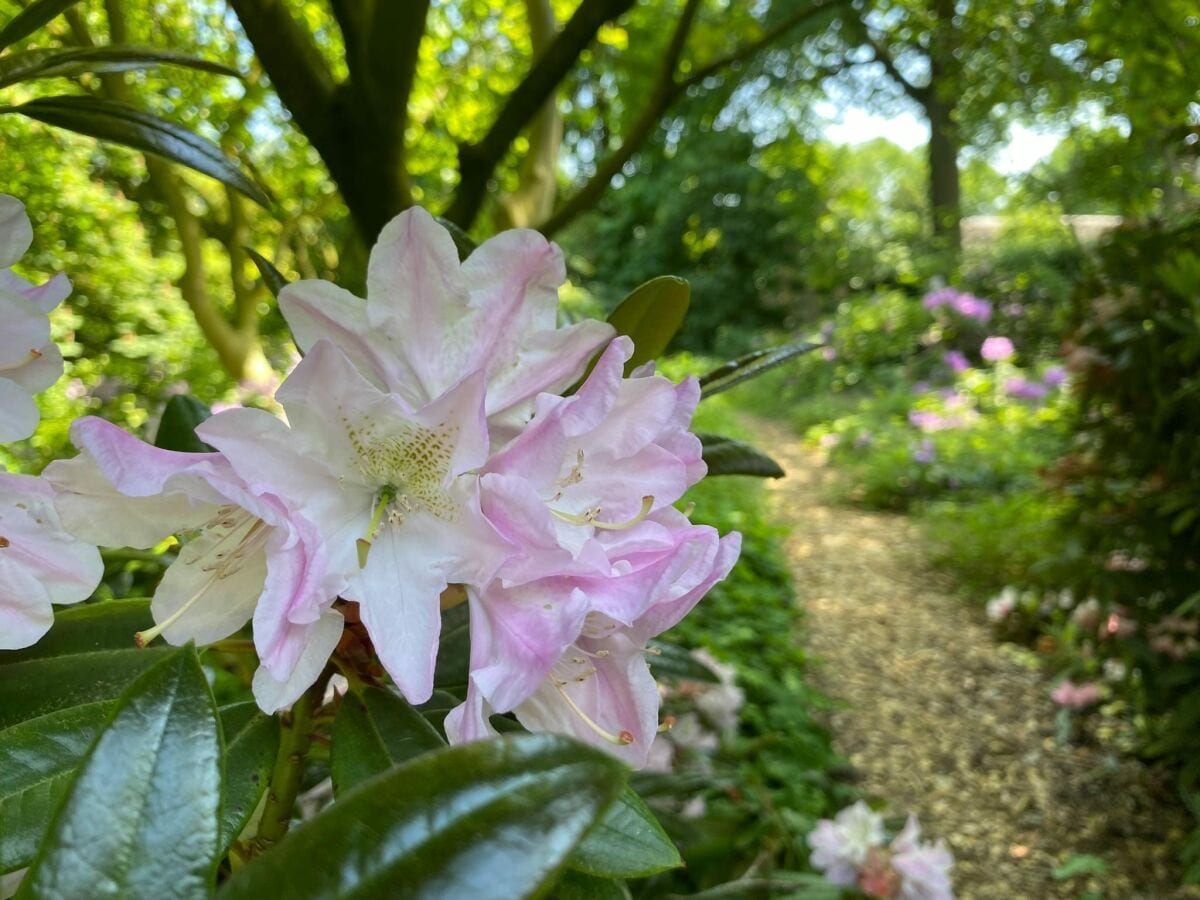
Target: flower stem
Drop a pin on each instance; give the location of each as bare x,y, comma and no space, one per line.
295,739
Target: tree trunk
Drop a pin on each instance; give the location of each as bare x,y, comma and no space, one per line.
945,198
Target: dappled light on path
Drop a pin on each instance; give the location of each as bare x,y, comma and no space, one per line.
938,719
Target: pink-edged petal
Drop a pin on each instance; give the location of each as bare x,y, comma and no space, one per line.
619,698
664,615
518,635
317,310
416,298
26,331
18,412
548,361
470,720
16,231
296,594
276,691
40,564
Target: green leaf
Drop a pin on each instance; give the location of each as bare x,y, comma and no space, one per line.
462,240
140,818
651,315
1080,864
271,276
54,697
491,819
31,18
122,124
725,456
454,650
98,60
672,661
577,886
251,744
177,427
375,732
751,365
627,843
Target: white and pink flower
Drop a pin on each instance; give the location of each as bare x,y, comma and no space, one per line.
29,360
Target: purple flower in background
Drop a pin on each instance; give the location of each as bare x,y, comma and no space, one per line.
956,361
1024,389
1013,310
971,307
863,441
829,354
921,387
938,298
1054,376
925,453
995,349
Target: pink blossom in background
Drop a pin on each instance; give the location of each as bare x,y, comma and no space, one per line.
1024,389
971,307
849,851
996,349
925,453
956,361
924,868
939,298
1087,615
1118,625
1070,695
829,441
841,844
829,354
921,387
1002,605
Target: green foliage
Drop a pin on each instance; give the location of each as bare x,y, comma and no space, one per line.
446,823
140,817
651,315
177,426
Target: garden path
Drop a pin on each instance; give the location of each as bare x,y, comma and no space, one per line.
939,719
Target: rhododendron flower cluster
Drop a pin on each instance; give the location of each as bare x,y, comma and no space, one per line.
997,349
427,446
40,563
850,850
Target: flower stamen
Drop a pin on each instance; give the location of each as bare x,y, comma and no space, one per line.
589,517
622,739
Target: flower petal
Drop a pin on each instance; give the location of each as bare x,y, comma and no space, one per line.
317,641
16,231
18,412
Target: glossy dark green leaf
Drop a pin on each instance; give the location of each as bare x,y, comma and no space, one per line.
251,744
374,732
177,427
31,18
437,707
271,276
752,365
87,657
454,651
140,817
651,315
627,843
122,124
492,819
32,64
675,662
577,886
725,456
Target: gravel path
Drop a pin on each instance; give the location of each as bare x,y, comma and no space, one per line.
940,720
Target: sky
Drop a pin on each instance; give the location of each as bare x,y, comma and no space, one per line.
855,125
